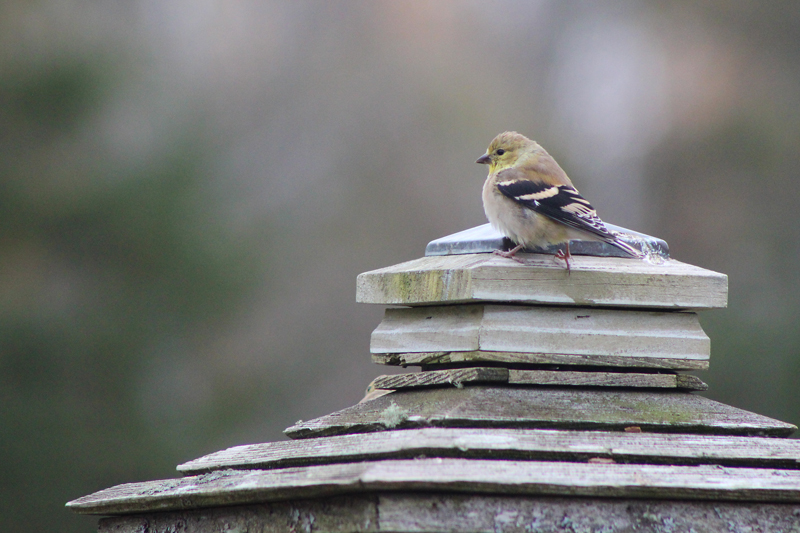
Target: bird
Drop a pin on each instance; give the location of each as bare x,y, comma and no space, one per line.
529,198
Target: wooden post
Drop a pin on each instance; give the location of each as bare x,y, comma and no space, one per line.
545,401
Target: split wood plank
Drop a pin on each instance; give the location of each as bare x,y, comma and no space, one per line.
455,377
593,281
543,407
458,377
525,329
432,359
238,487
517,444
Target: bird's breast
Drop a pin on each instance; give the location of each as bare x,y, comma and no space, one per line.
518,223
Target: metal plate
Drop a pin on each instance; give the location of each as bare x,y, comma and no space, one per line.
485,239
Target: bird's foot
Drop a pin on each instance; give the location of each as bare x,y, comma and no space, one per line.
565,256
511,254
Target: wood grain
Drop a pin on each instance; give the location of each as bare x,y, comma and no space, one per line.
455,377
528,444
432,359
604,379
458,377
543,407
474,476
541,330
594,281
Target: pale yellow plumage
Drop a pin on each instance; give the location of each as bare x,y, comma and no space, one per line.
529,198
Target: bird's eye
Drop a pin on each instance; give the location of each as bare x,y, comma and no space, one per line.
500,151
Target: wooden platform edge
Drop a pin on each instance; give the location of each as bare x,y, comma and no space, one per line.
533,478
390,512
486,277
510,444
569,408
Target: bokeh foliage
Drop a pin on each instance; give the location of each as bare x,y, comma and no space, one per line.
103,267
188,191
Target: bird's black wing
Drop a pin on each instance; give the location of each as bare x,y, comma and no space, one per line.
562,203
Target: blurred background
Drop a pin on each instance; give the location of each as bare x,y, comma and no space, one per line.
188,190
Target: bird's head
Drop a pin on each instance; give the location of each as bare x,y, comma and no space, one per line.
507,150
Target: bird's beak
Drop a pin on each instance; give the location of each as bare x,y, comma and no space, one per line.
484,159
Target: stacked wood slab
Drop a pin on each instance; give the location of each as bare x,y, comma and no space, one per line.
545,401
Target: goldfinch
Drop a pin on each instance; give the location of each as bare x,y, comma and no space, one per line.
528,198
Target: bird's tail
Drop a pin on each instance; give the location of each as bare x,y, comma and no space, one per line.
625,247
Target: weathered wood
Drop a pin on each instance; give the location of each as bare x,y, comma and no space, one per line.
455,377
542,407
423,513
605,379
536,444
426,329
447,512
373,394
541,330
594,281
343,514
458,377
686,381
477,476
432,359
